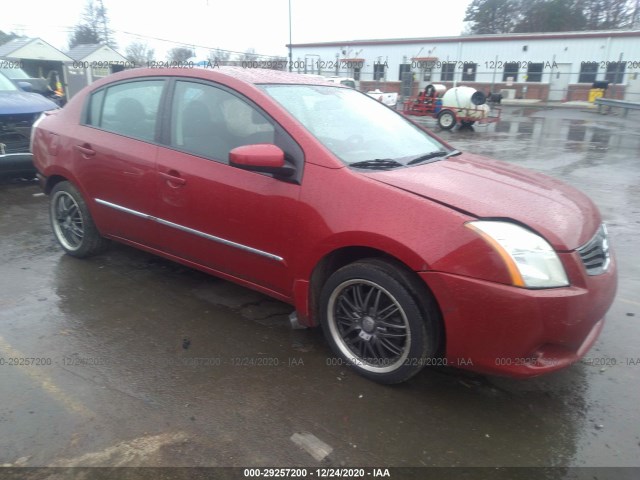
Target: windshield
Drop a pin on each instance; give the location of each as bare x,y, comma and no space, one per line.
355,127
15,73
6,84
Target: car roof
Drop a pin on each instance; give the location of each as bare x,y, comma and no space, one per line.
231,75
263,75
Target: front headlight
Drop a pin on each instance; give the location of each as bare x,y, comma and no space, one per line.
531,261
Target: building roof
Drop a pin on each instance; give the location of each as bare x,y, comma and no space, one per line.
477,38
95,52
26,48
12,45
79,52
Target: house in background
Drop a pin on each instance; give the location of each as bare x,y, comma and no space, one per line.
91,62
77,68
35,56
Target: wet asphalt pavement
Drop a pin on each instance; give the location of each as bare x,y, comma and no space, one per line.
137,361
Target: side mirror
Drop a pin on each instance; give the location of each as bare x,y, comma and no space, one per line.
25,86
261,157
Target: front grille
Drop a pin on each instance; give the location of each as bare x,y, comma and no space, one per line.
15,131
595,253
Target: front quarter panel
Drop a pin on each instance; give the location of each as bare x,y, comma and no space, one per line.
358,211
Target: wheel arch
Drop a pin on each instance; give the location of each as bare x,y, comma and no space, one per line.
52,181
340,257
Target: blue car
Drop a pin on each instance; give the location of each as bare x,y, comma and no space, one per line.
18,111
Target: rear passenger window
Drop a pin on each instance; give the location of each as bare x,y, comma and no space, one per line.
95,107
130,109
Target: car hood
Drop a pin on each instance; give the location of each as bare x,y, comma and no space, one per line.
24,102
486,188
39,85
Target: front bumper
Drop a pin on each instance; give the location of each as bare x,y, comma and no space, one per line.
504,330
17,165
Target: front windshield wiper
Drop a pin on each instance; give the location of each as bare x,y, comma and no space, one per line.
437,154
377,164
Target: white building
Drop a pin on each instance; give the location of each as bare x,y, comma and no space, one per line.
547,66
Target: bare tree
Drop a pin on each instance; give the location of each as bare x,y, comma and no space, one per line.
219,56
179,54
249,55
139,53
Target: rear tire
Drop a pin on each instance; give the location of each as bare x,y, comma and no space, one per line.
377,322
72,224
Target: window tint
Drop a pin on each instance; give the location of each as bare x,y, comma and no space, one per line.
129,109
209,122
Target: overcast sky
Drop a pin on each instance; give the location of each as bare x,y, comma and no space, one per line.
238,24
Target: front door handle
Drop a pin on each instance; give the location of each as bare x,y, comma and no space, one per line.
173,178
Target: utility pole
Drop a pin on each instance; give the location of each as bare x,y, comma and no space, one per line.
290,46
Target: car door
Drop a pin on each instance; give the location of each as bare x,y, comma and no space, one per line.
234,221
115,157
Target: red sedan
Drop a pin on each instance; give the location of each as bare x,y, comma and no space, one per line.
407,252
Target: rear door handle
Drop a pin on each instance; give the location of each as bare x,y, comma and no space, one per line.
173,177
86,150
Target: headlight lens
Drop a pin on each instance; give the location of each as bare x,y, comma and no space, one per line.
531,261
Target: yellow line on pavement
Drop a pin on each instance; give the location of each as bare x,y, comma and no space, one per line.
36,374
632,302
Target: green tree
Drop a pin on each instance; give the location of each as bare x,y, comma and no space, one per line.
551,16
608,14
492,16
82,35
530,16
219,56
94,26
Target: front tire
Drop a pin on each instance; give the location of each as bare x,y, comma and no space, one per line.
72,224
376,321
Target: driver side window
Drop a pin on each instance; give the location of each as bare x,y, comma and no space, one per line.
209,122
